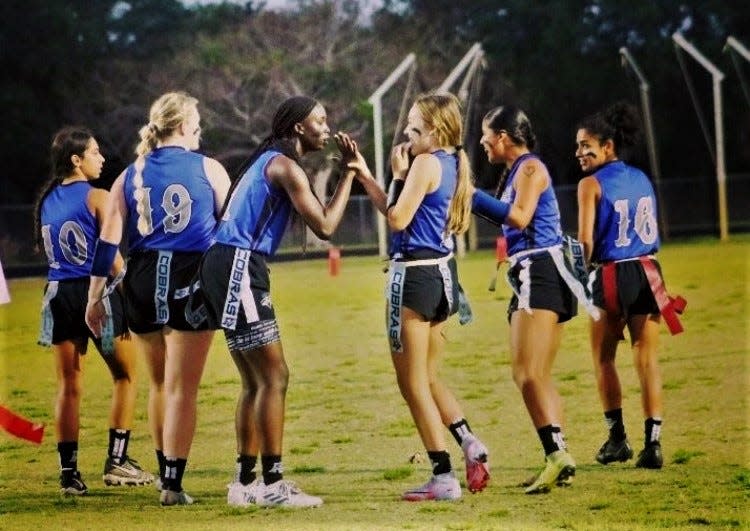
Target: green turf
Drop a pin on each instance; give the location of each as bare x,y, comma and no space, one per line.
349,436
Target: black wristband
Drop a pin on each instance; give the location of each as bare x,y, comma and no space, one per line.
394,192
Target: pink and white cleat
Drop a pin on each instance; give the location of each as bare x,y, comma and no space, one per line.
440,487
477,467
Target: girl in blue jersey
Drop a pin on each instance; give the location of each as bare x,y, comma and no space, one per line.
543,288
428,203
236,283
617,225
67,217
168,201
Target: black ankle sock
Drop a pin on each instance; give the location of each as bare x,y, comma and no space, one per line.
616,426
174,469
245,469
273,469
441,462
161,460
460,430
118,445
549,439
68,451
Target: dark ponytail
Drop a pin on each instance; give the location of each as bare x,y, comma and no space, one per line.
517,125
68,141
513,121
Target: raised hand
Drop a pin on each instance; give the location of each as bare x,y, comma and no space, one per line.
400,160
352,158
347,146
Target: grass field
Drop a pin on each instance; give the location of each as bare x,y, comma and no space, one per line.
349,435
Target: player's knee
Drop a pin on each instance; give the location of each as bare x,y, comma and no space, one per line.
276,379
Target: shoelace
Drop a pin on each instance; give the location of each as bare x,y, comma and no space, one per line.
132,461
287,488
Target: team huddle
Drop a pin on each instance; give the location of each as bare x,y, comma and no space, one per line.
197,244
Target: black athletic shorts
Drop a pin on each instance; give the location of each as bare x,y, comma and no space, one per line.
538,285
68,308
236,289
157,287
634,292
424,291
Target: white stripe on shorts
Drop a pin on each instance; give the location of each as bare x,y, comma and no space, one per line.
524,285
238,292
161,291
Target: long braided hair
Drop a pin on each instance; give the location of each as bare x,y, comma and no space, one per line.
282,137
167,113
68,141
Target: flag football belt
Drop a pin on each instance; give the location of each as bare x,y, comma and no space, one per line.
394,294
567,269
48,320
669,307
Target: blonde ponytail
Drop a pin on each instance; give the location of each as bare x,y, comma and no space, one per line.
459,212
442,113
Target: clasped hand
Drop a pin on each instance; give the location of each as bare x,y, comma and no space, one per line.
352,158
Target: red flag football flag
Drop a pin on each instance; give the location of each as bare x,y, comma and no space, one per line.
21,427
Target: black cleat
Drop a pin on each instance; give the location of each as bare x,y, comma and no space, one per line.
71,483
612,451
650,457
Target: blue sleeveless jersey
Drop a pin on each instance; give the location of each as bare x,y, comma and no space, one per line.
427,230
258,213
172,209
69,231
625,225
544,228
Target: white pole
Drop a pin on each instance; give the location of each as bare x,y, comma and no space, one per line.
446,85
721,176
377,118
738,47
471,60
463,91
646,106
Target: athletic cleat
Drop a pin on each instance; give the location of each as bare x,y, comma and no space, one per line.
440,487
477,467
612,451
240,495
561,482
284,493
71,483
129,472
560,466
650,457
170,497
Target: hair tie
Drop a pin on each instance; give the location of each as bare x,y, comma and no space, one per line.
459,147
